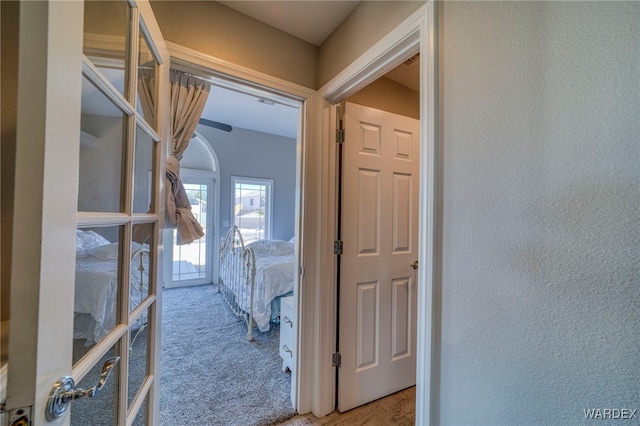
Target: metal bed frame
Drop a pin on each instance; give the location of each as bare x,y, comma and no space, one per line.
237,276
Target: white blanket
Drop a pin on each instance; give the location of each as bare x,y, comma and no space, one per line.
95,295
274,277
275,268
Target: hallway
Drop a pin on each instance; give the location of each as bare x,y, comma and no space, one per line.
398,409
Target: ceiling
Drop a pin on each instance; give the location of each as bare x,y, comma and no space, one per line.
253,112
312,21
407,74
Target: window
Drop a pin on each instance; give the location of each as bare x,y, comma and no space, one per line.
252,207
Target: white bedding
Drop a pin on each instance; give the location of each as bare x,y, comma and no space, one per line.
274,278
96,290
95,295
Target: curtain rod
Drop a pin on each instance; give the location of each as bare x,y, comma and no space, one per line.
237,85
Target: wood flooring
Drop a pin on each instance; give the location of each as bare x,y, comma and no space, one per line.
398,409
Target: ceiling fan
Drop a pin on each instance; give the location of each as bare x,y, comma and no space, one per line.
215,125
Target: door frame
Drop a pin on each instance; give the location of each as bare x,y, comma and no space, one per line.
308,181
418,33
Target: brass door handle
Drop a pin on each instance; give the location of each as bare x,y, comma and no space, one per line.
414,265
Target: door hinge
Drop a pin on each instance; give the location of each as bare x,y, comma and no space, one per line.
339,135
337,247
337,360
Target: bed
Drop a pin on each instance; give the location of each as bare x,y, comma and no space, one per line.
253,278
96,285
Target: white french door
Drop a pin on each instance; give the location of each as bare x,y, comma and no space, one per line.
193,264
92,118
378,279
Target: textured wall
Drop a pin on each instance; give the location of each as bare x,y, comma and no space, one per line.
366,25
247,153
222,32
539,133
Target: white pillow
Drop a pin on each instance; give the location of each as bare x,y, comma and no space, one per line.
90,239
110,251
272,247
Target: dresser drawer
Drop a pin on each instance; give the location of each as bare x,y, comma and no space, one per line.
287,327
286,353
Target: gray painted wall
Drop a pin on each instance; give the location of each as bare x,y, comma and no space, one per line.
247,153
240,153
539,138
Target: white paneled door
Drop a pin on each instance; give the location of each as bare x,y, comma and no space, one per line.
379,231
83,142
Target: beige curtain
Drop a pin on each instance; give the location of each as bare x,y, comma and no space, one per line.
188,98
177,206
146,94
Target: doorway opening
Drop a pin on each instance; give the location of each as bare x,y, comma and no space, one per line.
416,34
378,191
258,181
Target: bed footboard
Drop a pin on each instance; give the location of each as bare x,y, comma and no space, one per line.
237,276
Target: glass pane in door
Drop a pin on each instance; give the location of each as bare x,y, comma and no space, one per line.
141,416
102,140
138,357
95,309
146,93
190,261
105,39
98,411
141,264
143,173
